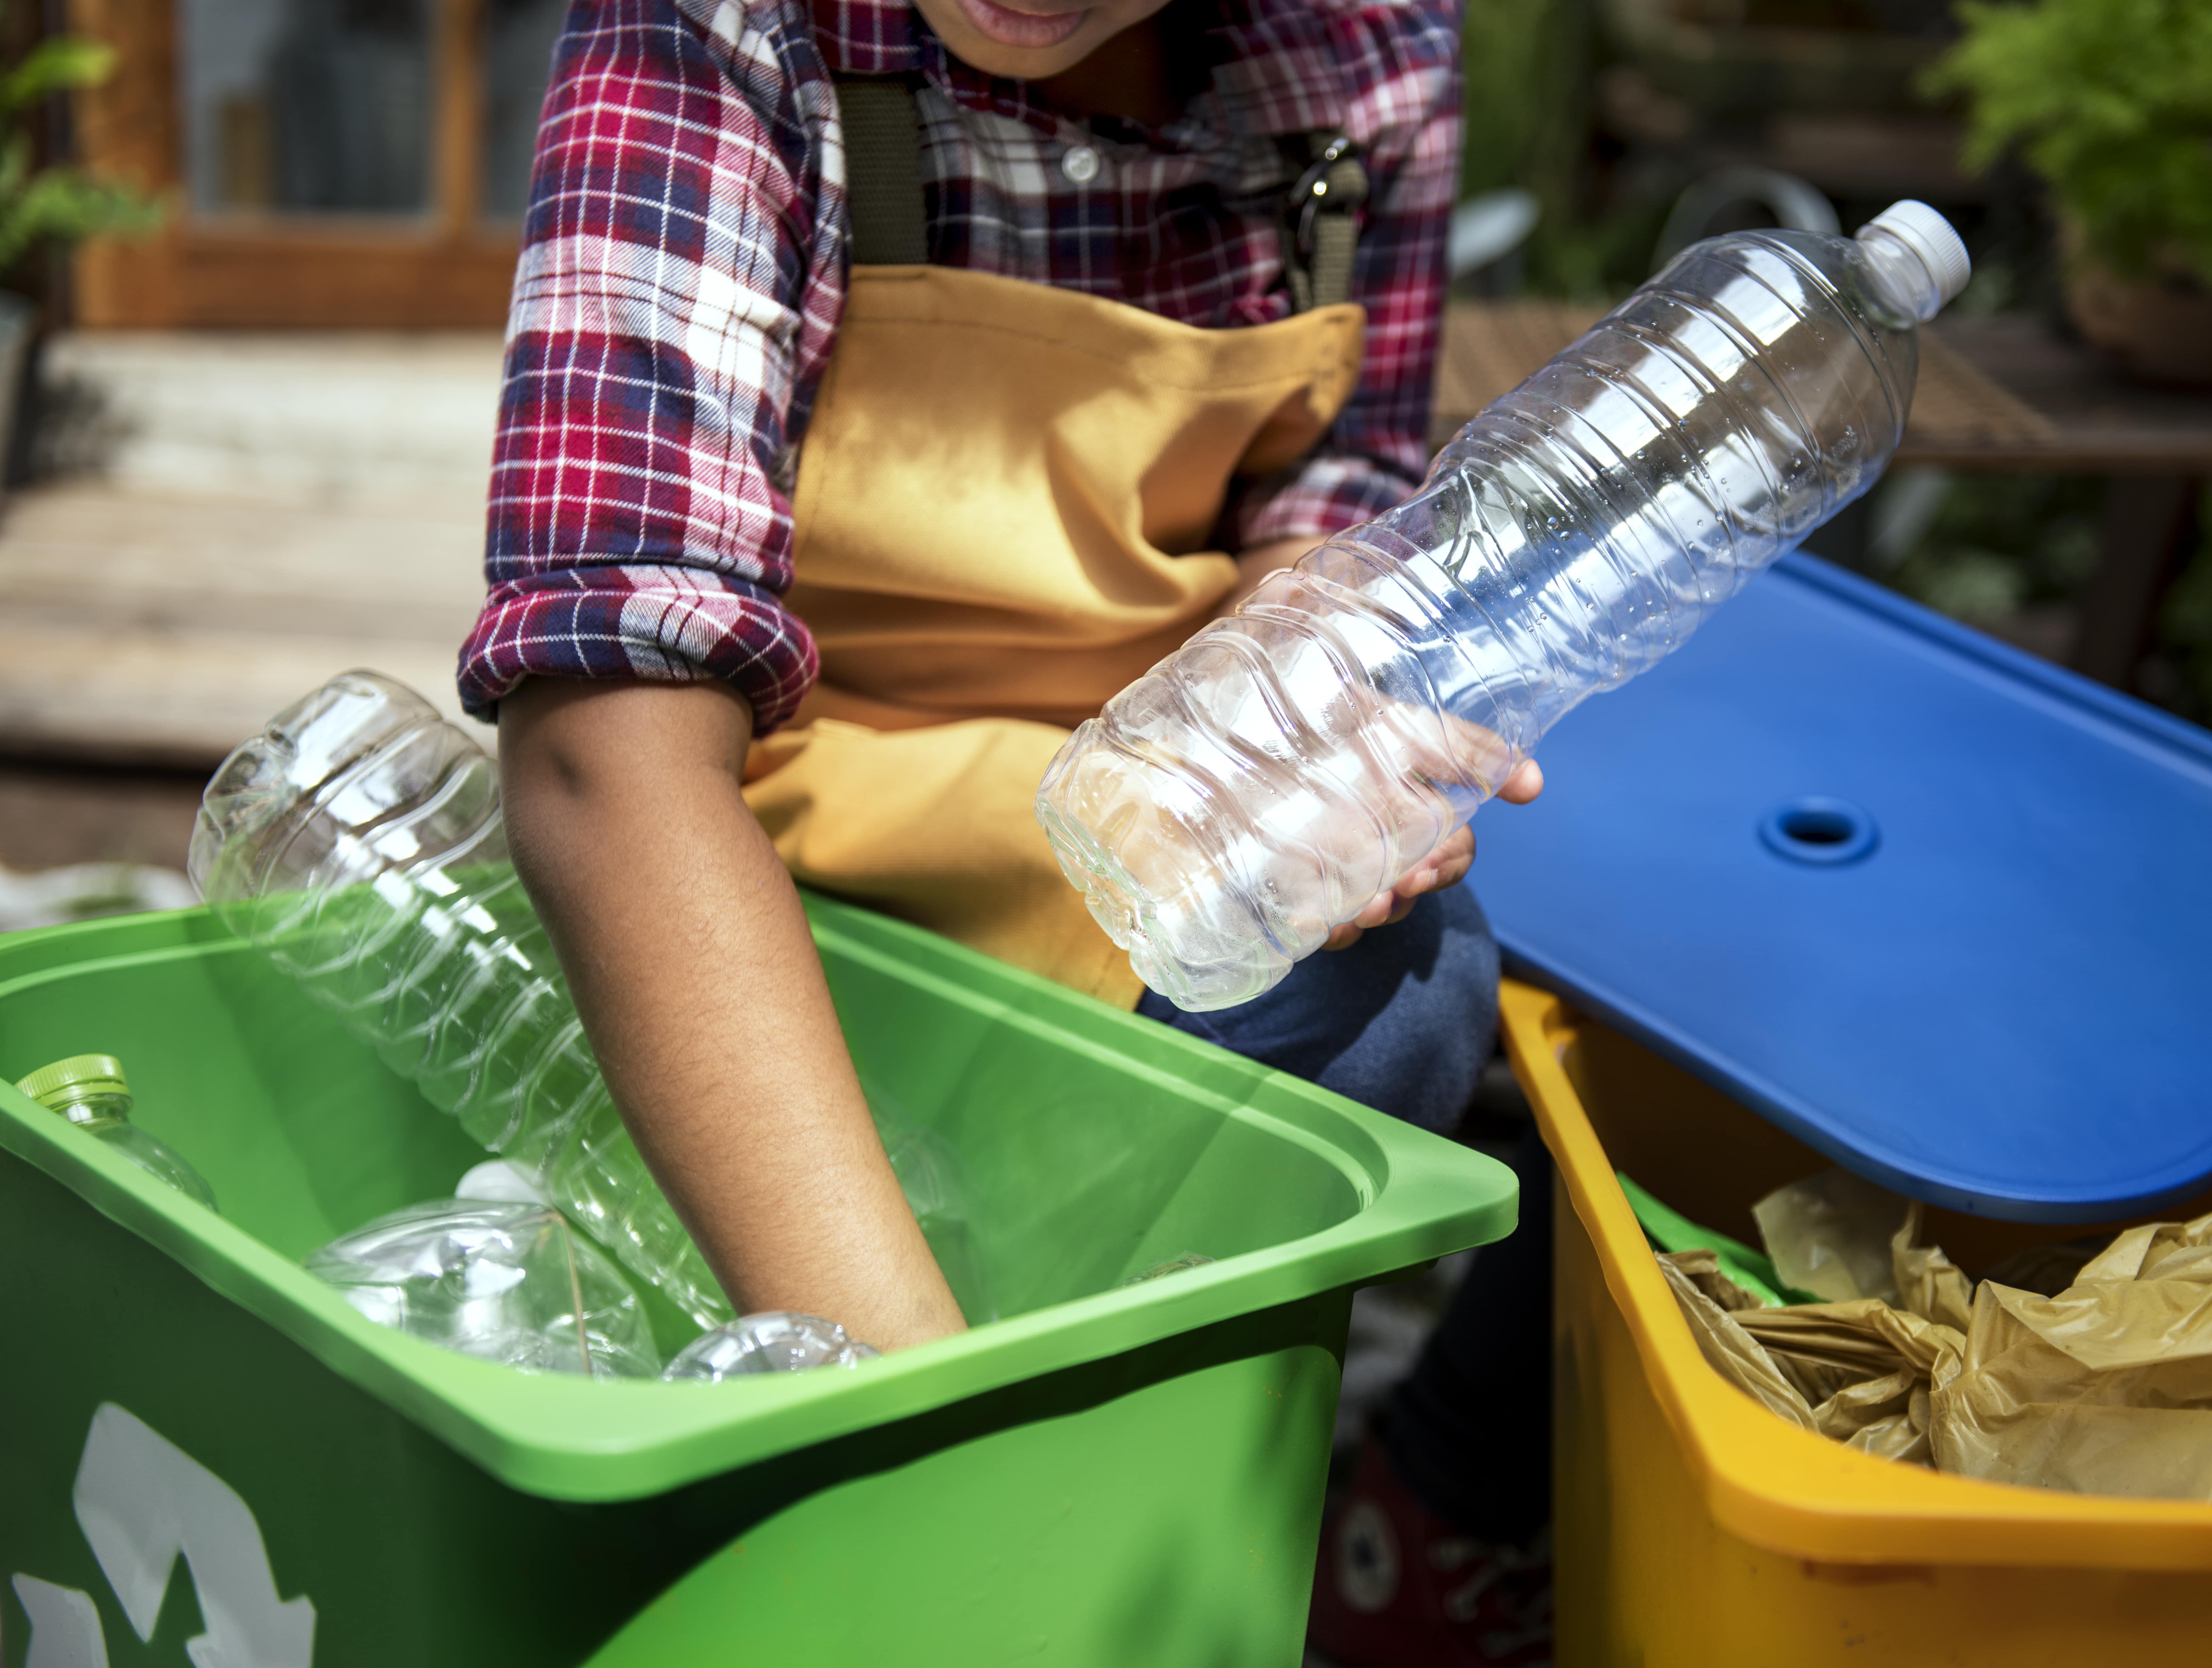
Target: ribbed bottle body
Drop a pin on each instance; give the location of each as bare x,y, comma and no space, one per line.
357,843
1267,781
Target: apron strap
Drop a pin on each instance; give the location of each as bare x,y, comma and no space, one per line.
883,202
883,171
1321,223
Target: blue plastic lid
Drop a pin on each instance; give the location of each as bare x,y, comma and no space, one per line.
1939,909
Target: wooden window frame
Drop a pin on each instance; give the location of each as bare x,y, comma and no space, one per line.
446,270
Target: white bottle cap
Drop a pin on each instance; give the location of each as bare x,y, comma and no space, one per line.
499,1182
1930,236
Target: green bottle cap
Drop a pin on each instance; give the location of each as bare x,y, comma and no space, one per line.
80,1076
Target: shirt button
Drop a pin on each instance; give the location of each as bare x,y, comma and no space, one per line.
1081,164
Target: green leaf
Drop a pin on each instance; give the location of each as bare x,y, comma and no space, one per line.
56,65
58,204
68,205
2111,101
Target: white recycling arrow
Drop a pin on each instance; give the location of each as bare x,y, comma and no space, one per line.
140,1501
64,1626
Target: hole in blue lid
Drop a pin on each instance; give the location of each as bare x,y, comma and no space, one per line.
1814,828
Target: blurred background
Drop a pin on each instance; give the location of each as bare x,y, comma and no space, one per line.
2052,491
259,253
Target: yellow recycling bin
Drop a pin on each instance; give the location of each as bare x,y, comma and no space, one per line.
1694,1528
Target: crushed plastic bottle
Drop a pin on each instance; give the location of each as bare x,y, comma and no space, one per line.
497,1181
357,841
507,1282
780,1341
1266,782
91,1092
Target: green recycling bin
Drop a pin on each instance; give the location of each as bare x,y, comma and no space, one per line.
208,1456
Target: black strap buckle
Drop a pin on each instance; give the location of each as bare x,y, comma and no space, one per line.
1319,220
1315,194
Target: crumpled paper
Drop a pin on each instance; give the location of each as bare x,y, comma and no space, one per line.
2104,1387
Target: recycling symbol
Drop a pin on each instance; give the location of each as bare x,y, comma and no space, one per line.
141,1500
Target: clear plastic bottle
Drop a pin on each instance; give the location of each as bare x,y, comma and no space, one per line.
1267,781
357,841
90,1091
504,1281
780,1341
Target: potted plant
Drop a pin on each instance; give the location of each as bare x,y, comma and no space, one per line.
2111,102
41,207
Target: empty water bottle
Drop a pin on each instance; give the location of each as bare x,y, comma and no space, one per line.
511,1282
1267,781
90,1091
781,1341
357,840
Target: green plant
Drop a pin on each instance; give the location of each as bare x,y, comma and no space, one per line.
57,204
2111,101
1529,64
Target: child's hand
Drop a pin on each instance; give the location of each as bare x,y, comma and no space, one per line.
1446,866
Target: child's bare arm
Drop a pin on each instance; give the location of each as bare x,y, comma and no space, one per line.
698,984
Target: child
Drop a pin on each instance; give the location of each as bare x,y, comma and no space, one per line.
886,383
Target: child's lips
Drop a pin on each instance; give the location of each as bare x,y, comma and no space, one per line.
1021,29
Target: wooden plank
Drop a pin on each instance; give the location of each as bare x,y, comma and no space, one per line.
1490,347
141,697
341,277
2099,420
457,149
128,129
166,630
1956,408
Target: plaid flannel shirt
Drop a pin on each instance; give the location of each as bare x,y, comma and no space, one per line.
683,269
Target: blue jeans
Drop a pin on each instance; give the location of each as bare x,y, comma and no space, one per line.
1402,1021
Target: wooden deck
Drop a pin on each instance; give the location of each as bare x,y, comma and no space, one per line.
253,513
1961,414
165,630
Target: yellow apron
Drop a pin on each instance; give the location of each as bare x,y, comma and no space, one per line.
1002,505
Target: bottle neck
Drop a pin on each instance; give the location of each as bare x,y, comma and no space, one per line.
1902,276
90,1109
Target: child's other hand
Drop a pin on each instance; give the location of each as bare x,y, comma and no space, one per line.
1446,866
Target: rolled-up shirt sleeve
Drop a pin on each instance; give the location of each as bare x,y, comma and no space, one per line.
678,292
1376,454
